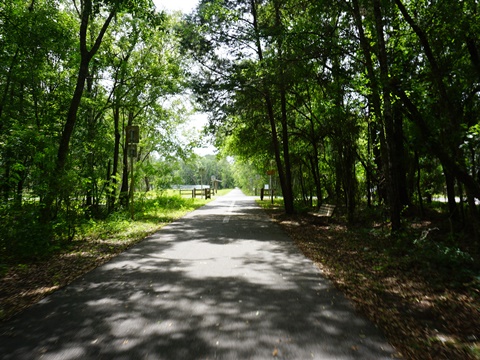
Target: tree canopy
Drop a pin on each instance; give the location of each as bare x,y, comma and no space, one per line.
73,76
360,103
369,105
356,101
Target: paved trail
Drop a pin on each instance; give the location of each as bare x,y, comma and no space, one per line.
224,282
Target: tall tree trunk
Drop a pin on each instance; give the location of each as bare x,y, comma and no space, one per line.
448,107
418,182
124,194
400,162
316,175
368,168
314,162
287,191
391,175
85,58
452,203
284,182
375,100
147,184
288,197
90,156
124,187
112,191
19,190
7,84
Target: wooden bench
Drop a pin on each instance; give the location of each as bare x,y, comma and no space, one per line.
325,210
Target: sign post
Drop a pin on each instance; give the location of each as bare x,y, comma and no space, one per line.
270,173
201,170
133,134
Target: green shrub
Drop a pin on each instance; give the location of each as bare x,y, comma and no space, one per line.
22,236
445,257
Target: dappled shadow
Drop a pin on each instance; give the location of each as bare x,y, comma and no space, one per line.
223,282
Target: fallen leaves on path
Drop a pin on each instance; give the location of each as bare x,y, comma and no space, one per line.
26,284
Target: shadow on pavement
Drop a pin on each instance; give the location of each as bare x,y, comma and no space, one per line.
224,282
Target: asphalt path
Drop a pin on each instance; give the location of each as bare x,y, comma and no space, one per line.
223,282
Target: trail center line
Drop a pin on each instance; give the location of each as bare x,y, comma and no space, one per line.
226,219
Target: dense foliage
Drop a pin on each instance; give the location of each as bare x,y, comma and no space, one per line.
361,102
371,105
73,76
355,102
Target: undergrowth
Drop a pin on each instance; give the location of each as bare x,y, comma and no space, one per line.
24,238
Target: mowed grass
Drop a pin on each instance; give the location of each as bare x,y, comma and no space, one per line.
152,211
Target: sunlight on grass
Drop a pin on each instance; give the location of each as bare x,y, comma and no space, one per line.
153,210
267,203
